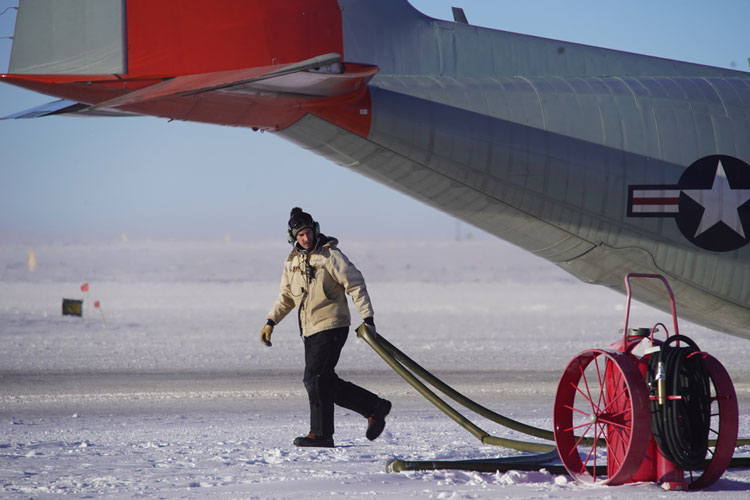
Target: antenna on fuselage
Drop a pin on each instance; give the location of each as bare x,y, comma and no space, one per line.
459,16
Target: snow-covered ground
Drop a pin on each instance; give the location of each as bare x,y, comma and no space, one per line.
176,398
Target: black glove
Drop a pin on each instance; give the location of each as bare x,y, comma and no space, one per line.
370,322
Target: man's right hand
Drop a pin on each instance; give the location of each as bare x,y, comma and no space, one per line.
265,335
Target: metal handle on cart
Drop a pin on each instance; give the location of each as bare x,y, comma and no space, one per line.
627,309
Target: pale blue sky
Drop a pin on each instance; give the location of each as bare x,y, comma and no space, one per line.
97,178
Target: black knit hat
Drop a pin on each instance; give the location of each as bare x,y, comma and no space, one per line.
299,220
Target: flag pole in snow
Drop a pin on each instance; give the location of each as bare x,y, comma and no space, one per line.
85,289
98,305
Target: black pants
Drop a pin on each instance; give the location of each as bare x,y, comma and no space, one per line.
325,388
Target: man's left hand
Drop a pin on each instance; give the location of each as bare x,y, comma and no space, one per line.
265,335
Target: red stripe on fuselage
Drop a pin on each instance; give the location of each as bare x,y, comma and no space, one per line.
354,115
656,201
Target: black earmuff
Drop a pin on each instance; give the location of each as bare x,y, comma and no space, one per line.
316,232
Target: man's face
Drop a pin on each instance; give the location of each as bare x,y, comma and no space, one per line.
306,238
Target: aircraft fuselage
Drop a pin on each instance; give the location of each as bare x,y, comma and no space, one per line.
600,161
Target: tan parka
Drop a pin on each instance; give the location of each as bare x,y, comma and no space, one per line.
316,283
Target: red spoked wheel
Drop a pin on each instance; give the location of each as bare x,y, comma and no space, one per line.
723,430
601,417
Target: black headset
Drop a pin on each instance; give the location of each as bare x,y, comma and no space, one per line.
291,239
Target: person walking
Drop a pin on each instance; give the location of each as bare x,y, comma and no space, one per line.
316,279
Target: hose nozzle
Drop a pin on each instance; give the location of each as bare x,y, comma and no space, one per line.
661,383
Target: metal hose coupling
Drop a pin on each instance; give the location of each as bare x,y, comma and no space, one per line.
661,383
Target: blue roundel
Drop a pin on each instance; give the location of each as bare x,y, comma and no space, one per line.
714,203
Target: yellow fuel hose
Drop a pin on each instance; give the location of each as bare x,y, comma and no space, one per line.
461,399
379,346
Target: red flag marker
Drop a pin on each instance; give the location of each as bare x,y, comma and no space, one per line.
85,289
98,305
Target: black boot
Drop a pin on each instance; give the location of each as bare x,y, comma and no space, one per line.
376,422
313,441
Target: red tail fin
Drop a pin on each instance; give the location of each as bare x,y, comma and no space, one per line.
180,37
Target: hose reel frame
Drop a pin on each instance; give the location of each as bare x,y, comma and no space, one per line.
623,393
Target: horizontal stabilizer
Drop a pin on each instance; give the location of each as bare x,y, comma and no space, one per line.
50,108
63,107
325,66
312,83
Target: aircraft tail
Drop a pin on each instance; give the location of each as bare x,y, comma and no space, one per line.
141,38
249,63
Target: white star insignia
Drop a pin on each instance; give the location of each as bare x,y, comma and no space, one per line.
720,203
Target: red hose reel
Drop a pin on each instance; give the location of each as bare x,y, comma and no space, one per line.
603,412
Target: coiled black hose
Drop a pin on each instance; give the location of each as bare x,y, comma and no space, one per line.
681,408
